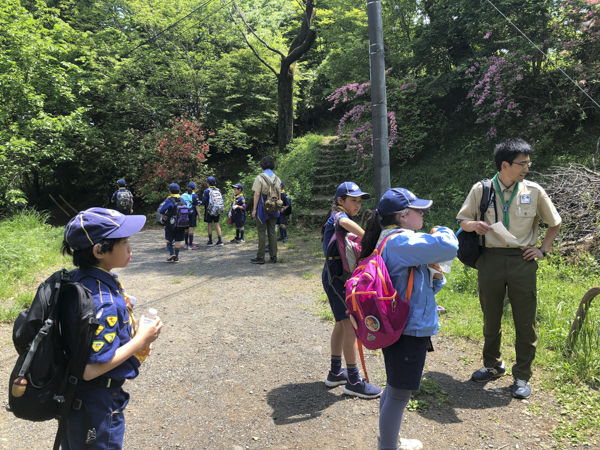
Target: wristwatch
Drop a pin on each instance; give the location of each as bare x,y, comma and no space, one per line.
543,252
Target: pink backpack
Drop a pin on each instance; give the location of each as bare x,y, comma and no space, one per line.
376,311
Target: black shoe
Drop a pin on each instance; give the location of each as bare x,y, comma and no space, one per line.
273,259
257,260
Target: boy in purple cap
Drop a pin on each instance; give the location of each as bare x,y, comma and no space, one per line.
172,233
123,198
98,240
348,199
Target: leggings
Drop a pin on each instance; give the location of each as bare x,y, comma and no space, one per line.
391,408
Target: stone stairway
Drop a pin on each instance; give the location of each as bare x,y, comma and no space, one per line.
329,174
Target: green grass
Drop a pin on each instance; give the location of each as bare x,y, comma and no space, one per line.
28,249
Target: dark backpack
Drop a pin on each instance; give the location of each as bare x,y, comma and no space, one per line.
43,381
123,201
181,213
469,249
159,217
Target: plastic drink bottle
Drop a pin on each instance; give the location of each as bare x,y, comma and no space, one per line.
149,319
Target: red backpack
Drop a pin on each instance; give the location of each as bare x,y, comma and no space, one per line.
376,311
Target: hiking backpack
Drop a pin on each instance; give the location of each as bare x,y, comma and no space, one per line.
273,202
469,249
123,201
181,213
348,250
376,311
216,206
159,217
43,381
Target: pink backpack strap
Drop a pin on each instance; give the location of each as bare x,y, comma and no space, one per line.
411,277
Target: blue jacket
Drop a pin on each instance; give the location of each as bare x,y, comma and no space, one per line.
408,248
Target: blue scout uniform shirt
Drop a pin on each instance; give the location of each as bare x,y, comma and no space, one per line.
405,249
167,208
114,196
332,223
116,326
240,201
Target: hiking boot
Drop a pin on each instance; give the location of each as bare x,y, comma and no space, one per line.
209,244
273,259
336,380
410,444
219,242
171,258
362,389
488,373
521,389
257,260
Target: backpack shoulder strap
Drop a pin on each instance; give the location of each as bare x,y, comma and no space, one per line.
487,194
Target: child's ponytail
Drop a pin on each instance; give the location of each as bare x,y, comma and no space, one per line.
334,209
190,190
372,231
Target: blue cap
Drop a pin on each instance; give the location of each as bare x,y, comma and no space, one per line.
238,185
211,180
191,185
397,199
174,188
281,183
92,225
121,183
350,189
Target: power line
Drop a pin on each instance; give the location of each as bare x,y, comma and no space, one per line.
547,57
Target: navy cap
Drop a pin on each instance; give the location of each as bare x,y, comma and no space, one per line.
92,225
238,185
121,183
350,189
211,180
397,199
174,188
281,183
191,185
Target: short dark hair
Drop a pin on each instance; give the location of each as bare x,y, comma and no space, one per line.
267,163
84,258
509,149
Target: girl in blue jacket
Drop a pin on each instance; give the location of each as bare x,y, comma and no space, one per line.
400,213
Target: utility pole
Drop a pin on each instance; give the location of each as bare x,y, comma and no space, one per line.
381,154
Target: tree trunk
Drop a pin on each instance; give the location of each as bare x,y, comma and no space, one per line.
285,100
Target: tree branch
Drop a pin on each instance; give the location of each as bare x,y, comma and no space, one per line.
255,35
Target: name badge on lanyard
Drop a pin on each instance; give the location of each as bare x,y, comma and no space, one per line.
525,199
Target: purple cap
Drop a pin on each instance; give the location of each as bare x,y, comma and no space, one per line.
238,185
121,183
211,180
397,199
350,189
174,188
92,225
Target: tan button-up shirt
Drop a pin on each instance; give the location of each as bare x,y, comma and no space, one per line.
530,204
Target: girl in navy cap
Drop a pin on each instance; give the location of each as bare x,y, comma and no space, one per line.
400,213
192,200
348,199
98,240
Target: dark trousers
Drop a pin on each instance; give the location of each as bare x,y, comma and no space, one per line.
269,227
503,271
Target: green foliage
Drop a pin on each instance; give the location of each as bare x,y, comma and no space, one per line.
28,247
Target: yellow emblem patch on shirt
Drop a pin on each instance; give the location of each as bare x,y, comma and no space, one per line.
97,345
109,337
112,320
99,330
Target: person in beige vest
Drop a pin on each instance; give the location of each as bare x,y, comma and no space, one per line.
265,223
508,267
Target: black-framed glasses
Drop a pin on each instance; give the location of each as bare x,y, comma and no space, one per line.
523,163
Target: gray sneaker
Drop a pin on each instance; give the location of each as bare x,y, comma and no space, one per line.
521,389
486,374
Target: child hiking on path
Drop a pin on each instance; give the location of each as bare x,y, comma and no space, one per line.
98,240
212,199
238,213
348,198
192,201
123,198
172,233
400,214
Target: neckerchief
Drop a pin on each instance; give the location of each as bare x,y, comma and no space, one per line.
126,297
238,196
505,205
282,191
343,210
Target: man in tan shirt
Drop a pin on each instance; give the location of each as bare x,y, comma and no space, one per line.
265,223
509,266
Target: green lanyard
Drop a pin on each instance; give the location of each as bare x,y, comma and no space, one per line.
505,205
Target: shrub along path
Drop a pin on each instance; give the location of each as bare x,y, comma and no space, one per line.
243,356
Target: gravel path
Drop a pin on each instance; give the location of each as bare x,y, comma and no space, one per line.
241,362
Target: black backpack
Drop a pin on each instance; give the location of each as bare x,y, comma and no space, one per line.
123,201
42,383
469,249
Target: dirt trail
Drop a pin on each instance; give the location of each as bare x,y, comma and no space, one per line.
242,359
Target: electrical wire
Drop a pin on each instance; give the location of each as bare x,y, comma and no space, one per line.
542,52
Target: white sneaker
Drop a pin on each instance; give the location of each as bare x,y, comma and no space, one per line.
410,444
